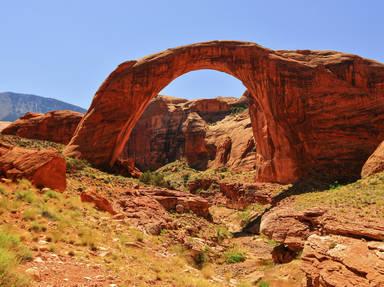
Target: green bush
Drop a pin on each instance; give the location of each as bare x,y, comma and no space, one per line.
238,109
222,233
234,256
335,185
186,178
74,164
154,178
263,284
26,195
51,194
201,258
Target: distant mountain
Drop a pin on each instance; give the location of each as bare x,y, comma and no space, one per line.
13,105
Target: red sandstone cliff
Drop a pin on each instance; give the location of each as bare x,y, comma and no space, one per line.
55,126
206,133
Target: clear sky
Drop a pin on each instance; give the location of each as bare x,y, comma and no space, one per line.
65,49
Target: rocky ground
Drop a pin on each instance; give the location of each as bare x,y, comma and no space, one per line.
181,227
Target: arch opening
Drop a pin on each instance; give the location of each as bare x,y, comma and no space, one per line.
204,84
204,130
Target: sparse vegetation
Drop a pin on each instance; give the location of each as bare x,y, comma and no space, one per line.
234,255
12,253
263,284
74,164
154,178
238,109
222,233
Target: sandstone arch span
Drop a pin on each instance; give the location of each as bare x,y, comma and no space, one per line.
311,111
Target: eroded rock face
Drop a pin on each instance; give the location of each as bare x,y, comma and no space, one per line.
313,111
196,151
202,131
44,168
375,162
56,126
342,261
157,139
292,228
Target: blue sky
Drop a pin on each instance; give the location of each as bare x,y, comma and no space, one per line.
65,49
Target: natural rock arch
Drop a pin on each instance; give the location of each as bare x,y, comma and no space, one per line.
294,96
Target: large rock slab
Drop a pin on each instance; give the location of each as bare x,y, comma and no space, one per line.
44,168
55,126
342,261
312,112
375,162
292,227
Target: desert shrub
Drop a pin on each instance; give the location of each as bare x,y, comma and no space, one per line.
186,178
30,213
245,216
238,109
201,258
154,178
74,164
12,252
222,233
263,284
51,194
26,195
234,256
37,227
335,185
49,214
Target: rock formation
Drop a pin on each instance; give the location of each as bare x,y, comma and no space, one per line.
202,131
375,162
55,126
292,228
342,261
311,111
44,168
99,201
157,139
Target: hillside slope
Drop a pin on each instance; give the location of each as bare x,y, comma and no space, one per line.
14,105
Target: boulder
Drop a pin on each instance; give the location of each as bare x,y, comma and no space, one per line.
55,126
342,261
144,211
170,199
375,162
44,168
98,200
